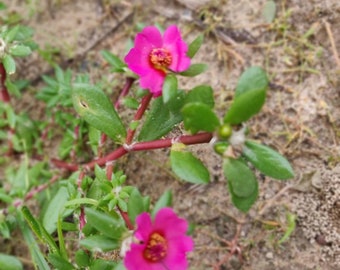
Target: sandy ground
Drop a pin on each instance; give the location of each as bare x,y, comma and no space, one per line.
301,117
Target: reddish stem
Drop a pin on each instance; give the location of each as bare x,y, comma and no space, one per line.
119,152
4,95
36,190
128,83
126,218
142,108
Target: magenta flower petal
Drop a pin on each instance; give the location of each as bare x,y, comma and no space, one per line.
174,43
153,56
143,221
153,81
161,244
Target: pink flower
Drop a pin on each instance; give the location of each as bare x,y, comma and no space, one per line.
153,56
161,245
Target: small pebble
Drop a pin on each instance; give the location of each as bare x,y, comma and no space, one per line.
269,255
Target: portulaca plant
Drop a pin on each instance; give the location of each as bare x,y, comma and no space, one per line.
109,215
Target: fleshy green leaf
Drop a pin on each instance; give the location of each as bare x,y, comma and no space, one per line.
242,184
60,263
250,95
245,106
111,227
50,218
268,161
20,50
194,70
101,242
82,258
252,79
201,94
269,11
100,264
37,257
117,64
169,88
135,205
39,230
9,64
95,108
161,118
187,167
198,116
195,46
164,201
8,262
11,34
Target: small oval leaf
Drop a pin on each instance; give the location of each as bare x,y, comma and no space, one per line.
245,107
242,179
201,94
268,161
198,116
194,70
253,78
195,46
9,64
187,167
169,88
95,108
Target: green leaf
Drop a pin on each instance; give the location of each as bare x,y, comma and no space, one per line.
195,46
113,60
131,103
291,225
135,205
187,167
9,64
100,264
164,201
94,138
252,79
201,94
250,95
198,116
95,108
111,227
161,118
194,70
240,176
245,107
11,34
267,161
82,258
59,262
242,184
269,11
39,230
169,88
8,262
101,242
54,207
37,257
19,50
2,6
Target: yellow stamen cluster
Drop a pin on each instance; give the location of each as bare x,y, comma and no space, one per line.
156,248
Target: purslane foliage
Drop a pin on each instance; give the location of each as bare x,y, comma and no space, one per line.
105,200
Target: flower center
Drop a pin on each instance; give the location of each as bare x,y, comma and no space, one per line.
156,248
160,58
